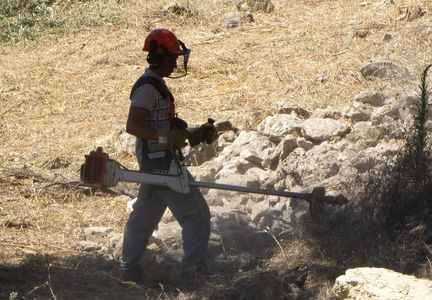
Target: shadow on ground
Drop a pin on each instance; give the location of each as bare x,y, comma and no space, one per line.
91,277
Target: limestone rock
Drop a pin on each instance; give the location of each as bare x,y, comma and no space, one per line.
363,162
89,246
287,145
317,129
357,112
254,5
283,149
330,113
280,125
251,140
205,172
213,198
125,144
267,179
247,180
129,205
384,69
271,159
365,133
373,98
283,107
243,165
168,233
228,136
97,230
241,238
304,143
251,156
177,9
382,284
386,110
235,19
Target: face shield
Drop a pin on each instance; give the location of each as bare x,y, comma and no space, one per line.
182,62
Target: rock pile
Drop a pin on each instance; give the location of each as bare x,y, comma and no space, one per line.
294,150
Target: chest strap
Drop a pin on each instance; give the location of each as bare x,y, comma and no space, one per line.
160,86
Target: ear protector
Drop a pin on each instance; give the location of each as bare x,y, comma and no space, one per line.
153,58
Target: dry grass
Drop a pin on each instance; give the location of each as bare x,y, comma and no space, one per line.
63,94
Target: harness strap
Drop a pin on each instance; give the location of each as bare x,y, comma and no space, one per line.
160,86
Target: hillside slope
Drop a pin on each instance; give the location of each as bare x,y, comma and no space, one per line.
66,91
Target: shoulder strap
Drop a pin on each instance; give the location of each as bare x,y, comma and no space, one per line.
160,86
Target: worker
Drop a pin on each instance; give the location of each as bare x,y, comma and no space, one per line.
160,138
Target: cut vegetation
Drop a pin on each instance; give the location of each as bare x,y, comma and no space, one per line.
66,69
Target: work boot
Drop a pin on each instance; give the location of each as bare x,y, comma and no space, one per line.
194,271
132,273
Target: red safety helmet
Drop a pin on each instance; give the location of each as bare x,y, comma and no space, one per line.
165,42
162,42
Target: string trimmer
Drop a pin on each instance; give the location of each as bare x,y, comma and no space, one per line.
99,169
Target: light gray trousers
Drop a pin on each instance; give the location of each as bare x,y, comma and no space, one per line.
190,210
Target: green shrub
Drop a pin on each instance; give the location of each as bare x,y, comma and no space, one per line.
404,183
26,19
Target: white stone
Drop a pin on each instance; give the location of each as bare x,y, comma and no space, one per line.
381,284
97,230
284,107
331,113
235,19
246,180
384,69
129,205
304,144
317,129
373,98
279,125
386,110
254,5
242,165
251,156
357,112
365,133
89,246
287,145
125,144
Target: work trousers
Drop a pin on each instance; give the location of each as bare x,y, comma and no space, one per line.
190,210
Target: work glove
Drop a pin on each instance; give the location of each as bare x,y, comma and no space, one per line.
204,133
172,139
178,123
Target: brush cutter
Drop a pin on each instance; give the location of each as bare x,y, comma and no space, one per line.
99,169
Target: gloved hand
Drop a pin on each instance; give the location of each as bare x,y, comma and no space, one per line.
205,133
178,123
172,139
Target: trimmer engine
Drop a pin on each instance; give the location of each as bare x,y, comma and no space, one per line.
94,169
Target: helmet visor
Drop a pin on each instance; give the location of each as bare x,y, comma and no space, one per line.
182,62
